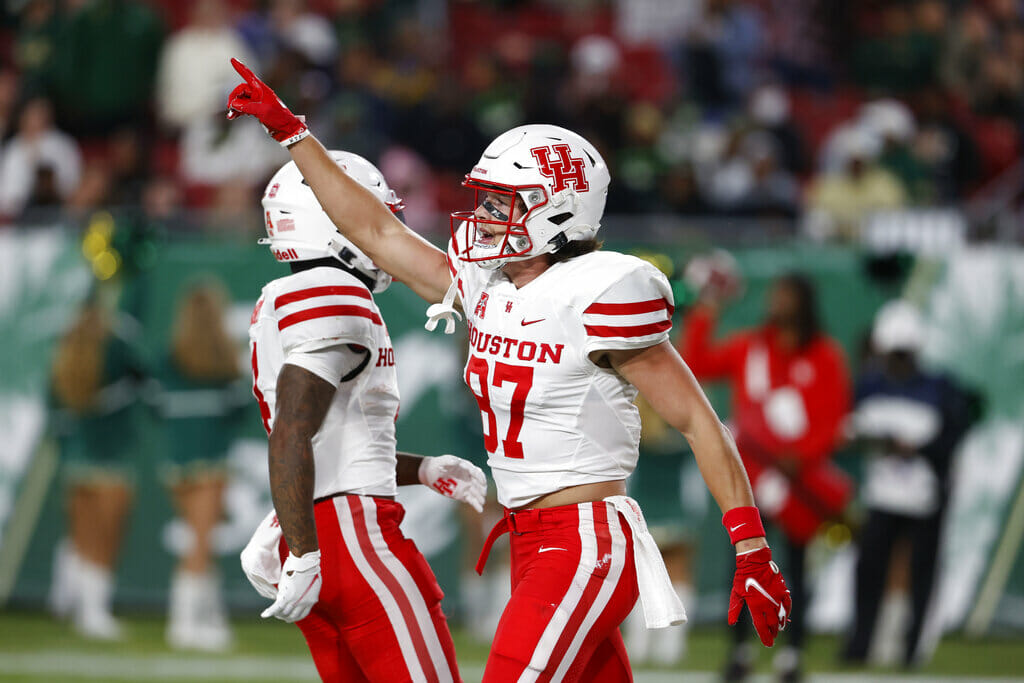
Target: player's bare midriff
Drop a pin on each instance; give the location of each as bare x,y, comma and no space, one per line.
584,493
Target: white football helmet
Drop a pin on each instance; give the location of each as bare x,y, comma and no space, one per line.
298,229
561,180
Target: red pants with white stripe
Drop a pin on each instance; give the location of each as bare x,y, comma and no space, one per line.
573,583
379,616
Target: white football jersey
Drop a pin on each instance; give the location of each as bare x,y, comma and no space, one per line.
551,417
354,449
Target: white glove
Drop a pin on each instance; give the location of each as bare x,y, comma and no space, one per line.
299,588
455,478
261,560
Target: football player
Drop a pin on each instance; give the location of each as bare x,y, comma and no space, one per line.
324,375
562,336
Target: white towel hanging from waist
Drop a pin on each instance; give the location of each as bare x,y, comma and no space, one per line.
662,607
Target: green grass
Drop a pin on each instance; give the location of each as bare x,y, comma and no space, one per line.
24,633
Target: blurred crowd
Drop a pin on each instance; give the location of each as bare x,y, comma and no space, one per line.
817,111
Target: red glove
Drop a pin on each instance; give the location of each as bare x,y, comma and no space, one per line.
254,97
759,583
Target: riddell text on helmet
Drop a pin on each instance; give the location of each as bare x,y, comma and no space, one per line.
285,254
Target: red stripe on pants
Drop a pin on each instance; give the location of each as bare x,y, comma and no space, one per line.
362,533
604,545
545,562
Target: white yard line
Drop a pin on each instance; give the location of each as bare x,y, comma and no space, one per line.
260,668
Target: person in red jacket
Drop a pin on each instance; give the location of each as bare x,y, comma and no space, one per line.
790,393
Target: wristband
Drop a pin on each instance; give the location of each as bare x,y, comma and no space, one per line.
743,523
299,134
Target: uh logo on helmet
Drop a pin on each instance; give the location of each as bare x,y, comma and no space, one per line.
556,184
298,229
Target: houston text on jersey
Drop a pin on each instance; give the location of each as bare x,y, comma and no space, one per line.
505,347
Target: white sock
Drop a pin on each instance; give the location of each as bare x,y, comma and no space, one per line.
185,599
212,604
96,588
63,581
196,618
91,615
890,629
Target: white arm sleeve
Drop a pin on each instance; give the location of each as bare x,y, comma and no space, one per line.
330,363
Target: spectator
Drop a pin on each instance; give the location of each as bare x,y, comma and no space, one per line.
945,147
93,192
910,420
212,150
965,50
805,39
9,88
639,162
680,192
105,64
37,39
305,32
790,394
837,203
903,57
724,53
750,182
40,166
1000,89
162,207
409,176
893,125
126,155
356,118
289,25
769,110
195,66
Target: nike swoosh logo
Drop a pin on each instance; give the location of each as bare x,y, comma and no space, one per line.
525,322
753,583
734,528
544,550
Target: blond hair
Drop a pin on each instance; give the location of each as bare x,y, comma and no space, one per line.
80,360
201,347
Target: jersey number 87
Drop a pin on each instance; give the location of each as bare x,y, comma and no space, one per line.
519,375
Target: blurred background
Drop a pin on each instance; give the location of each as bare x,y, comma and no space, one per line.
849,168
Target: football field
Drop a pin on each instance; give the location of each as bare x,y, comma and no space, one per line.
35,648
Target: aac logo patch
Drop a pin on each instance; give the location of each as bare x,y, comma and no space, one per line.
556,163
481,306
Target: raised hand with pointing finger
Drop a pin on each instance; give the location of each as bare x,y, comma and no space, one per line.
255,98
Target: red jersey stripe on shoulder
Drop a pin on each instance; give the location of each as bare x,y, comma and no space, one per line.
633,308
327,312
451,266
313,292
628,331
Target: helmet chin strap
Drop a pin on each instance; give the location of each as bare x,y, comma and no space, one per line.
347,257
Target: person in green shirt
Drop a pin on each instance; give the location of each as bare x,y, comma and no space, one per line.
199,398
95,380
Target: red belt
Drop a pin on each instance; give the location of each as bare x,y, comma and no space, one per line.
520,522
